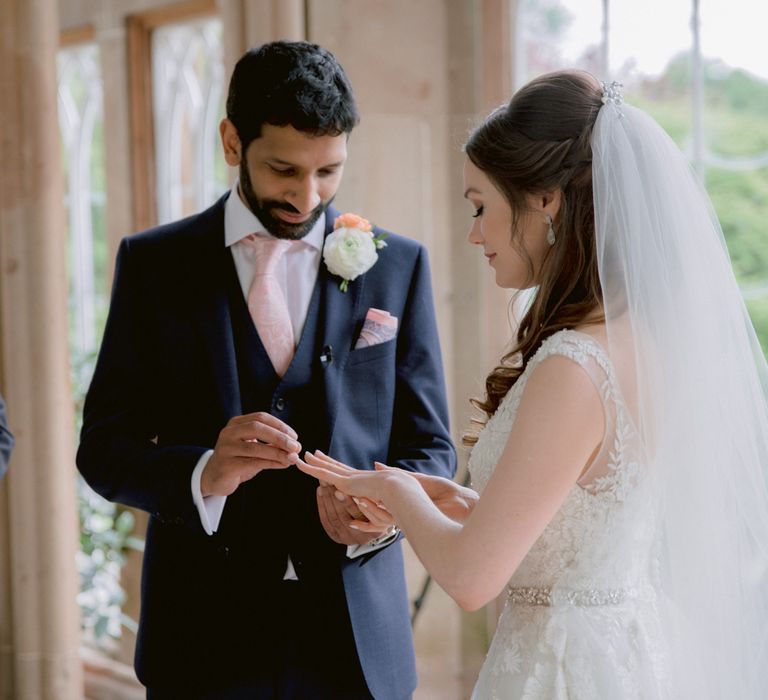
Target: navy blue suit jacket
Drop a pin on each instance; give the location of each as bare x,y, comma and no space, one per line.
165,384
6,440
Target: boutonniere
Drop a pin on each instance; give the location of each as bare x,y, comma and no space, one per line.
352,249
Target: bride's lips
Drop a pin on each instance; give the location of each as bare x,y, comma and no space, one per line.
291,218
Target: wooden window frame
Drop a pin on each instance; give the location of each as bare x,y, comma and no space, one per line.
139,28
84,34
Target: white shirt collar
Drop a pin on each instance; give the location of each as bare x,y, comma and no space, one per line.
240,221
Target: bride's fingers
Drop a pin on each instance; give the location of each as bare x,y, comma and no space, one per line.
383,467
365,526
314,461
330,459
352,482
322,457
426,480
328,463
320,473
374,512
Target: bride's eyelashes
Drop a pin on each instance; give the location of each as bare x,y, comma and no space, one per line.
478,212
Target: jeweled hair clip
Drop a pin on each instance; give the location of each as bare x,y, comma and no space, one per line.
612,93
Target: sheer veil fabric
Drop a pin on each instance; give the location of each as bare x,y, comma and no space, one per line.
696,384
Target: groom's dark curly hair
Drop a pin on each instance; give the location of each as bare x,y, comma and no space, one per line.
290,83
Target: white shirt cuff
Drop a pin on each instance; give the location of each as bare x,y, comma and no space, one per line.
358,550
209,508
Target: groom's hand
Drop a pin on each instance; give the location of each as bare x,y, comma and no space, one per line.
336,512
246,445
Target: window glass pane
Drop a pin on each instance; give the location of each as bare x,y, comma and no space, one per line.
188,103
651,57
724,131
610,40
736,140
81,126
554,34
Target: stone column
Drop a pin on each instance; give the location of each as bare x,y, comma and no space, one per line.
39,624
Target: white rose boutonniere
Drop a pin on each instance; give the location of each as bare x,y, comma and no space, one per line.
352,249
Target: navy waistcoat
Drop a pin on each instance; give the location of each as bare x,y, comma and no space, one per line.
282,503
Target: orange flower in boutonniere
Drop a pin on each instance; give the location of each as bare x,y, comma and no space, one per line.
352,249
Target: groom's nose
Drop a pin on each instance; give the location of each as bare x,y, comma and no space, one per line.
304,195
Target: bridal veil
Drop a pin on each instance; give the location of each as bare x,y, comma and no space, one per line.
696,383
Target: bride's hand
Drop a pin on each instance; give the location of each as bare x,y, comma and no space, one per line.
364,487
453,500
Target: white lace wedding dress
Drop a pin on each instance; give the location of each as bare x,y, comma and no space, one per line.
580,620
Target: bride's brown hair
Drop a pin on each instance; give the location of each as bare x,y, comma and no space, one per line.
538,143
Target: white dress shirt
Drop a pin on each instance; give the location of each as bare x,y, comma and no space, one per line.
303,262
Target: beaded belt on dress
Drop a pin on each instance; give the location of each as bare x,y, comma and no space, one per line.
579,597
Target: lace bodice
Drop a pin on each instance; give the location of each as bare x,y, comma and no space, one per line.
600,537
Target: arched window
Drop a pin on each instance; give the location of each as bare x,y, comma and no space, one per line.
188,83
182,105
81,125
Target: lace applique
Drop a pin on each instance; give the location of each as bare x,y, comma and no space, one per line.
622,466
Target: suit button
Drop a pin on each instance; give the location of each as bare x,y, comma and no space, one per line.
224,551
280,404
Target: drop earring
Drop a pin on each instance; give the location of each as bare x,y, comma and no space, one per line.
551,238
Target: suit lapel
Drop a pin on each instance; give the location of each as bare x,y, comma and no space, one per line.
341,309
214,314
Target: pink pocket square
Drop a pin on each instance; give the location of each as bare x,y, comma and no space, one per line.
379,327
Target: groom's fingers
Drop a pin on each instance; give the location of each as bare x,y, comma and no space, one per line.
253,431
328,518
264,452
336,521
330,514
266,419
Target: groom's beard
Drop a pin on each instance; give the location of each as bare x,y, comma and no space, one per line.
263,210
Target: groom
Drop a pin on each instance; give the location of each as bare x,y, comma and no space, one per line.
230,348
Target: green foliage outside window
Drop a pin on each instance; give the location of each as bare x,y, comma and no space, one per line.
733,116
106,534
736,136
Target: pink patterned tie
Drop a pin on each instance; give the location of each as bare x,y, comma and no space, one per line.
266,300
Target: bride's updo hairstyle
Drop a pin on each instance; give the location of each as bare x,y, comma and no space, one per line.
538,143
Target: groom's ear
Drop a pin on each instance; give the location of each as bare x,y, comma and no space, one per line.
230,142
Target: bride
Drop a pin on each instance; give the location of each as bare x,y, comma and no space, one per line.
621,463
